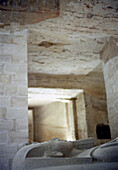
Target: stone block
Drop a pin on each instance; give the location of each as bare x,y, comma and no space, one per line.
16,60
5,58
20,57
19,102
22,91
6,125
20,34
6,49
22,124
19,114
15,68
19,79
4,101
2,112
19,39
2,68
10,90
5,79
5,39
11,68
1,90
13,72
19,137
22,68
4,137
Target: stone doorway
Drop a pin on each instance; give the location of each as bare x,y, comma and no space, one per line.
57,113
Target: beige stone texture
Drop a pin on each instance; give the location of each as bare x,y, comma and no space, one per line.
17,114
5,58
81,117
94,93
22,124
19,137
106,54
1,90
19,102
11,68
71,121
5,79
22,90
4,101
2,112
64,52
50,122
13,103
6,125
2,68
110,68
10,90
19,79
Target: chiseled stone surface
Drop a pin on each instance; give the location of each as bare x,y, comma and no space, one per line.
70,44
110,69
64,53
13,103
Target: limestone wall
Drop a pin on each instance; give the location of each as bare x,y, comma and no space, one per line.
81,117
50,122
94,93
13,95
109,56
64,53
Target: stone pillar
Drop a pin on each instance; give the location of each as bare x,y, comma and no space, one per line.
13,95
109,57
70,121
81,117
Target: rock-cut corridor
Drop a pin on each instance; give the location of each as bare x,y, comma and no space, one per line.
58,73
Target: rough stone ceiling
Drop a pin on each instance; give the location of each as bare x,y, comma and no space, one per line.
41,96
70,44
75,56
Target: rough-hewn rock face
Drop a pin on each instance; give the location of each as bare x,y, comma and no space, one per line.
109,56
64,53
70,44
